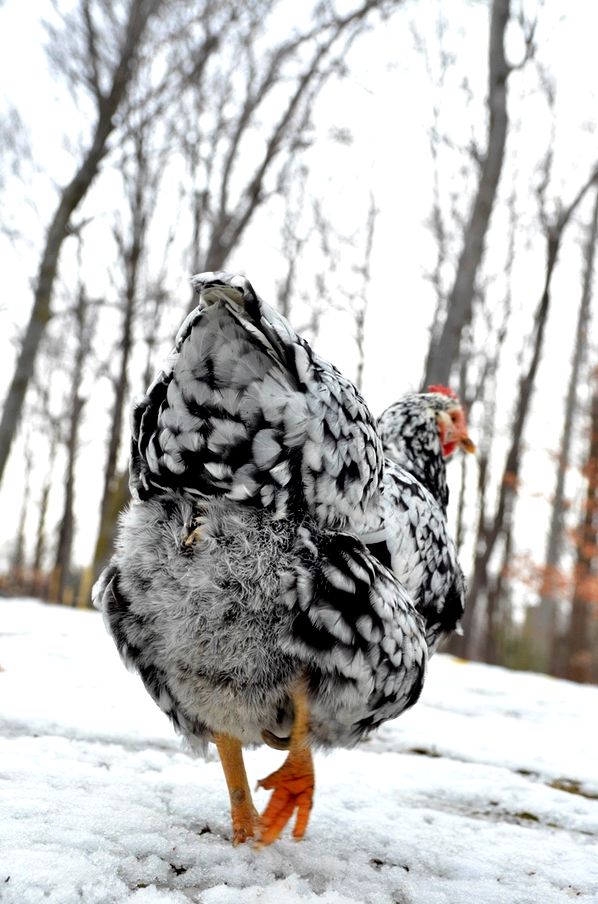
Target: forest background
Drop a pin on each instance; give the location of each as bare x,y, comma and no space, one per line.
414,183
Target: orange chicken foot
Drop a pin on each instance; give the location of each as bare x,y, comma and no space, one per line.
293,783
245,817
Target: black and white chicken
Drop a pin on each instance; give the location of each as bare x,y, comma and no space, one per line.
277,578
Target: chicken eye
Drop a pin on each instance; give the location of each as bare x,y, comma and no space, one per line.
454,416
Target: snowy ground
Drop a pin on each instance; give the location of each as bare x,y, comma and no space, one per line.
486,792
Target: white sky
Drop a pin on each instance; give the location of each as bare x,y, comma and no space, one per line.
386,102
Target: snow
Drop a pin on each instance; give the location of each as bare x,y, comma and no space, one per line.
486,792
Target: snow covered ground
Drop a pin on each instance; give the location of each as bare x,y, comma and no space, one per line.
486,792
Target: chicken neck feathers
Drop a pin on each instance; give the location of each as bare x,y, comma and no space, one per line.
410,438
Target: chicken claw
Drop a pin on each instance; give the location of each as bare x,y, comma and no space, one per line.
245,820
293,784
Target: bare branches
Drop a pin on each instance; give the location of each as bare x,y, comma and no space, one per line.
16,160
443,354
139,12
556,534
501,521
93,77
294,239
85,317
365,274
565,213
142,169
232,179
528,31
578,643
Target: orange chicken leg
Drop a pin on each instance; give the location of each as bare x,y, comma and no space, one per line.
293,783
244,815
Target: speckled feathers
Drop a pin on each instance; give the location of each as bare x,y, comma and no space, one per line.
270,539
245,409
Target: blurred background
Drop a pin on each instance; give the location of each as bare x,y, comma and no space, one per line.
414,183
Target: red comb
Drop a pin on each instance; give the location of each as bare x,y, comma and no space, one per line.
443,390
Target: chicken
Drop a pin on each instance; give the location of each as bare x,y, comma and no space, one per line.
418,433
257,622
247,588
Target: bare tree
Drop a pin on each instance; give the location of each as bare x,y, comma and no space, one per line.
577,641
142,168
37,564
483,391
43,421
444,349
15,162
97,50
17,566
235,163
549,601
84,315
294,238
438,222
365,274
500,524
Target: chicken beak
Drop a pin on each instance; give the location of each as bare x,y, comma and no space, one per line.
453,432
467,445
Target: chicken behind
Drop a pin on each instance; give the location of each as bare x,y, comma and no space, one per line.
276,577
221,629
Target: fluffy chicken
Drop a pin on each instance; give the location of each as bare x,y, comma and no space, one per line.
418,433
283,572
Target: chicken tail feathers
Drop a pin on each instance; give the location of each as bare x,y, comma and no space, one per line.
245,409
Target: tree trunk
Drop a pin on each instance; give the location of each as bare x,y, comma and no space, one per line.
578,647
84,318
444,350
62,564
52,428
365,271
103,548
131,251
40,534
549,594
40,541
71,196
18,557
497,612
115,502
501,523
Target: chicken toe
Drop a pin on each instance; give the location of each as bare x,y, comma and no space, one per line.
293,787
292,784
